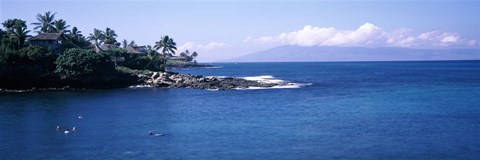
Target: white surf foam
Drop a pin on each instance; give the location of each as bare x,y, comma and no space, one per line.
141,86
214,67
282,84
264,79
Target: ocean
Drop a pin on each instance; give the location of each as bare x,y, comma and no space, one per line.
331,110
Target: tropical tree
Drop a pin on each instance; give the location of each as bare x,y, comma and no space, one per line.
132,43
45,22
61,26
83,64
4,42
185,54
75,33
194,55
124,43
167,45
151,51
11,24
19,37
110,36
96,36
16,32
75,39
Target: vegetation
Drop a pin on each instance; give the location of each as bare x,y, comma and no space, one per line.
24,66
15,35
109,36
79,64
189,56
45,22
96,36
60,26
168,47
32,66
75,39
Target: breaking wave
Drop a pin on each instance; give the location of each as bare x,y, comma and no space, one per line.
282,84
141,86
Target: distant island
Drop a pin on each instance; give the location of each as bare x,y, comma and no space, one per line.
291,53
60,58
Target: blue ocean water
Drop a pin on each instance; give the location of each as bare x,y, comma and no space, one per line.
351,110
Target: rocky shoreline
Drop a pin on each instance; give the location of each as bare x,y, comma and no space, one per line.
166,80
176,80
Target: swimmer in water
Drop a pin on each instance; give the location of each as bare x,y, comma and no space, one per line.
150,133
66,132
80,117
74,129
58,128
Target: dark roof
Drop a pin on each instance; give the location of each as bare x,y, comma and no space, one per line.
103,47
178,58
107,47
46,36
136,49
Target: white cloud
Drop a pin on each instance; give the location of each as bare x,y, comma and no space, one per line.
366,35
192,46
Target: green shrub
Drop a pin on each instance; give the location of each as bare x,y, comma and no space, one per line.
84,64
29,61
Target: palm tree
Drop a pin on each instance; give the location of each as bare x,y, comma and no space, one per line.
167,45
184,54
19,36
132,43
17,32
75,39
151,51
96,37
124,43
75,33
194,55
45,22
61,26
110,36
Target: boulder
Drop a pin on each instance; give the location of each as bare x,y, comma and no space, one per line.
175,80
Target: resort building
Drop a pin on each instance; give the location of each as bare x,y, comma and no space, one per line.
133,49
53,41
179,58
104,47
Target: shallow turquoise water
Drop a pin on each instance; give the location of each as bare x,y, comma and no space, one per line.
363,110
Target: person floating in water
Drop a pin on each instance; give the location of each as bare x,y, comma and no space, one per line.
74,129
150,133
58,128
80,117
66,132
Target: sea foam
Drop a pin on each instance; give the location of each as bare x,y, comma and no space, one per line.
141,86
282,84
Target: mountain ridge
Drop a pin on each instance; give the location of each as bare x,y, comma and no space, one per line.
290,53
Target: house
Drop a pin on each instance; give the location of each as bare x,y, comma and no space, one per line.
104,47
137,49
179,58
53,41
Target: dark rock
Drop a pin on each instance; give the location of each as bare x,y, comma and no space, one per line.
175,80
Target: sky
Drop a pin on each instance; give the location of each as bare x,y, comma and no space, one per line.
222,30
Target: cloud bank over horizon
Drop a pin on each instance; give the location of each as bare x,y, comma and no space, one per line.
368,35
192,46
